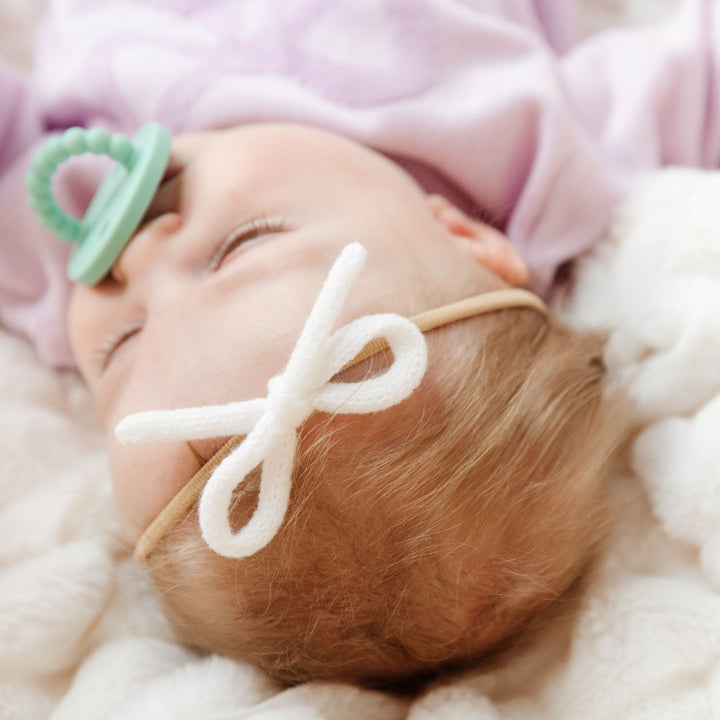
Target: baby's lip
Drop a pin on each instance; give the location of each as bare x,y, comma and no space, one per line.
166,195
172,170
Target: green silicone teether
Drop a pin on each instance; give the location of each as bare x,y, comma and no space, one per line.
119,203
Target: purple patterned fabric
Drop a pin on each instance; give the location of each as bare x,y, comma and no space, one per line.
487,100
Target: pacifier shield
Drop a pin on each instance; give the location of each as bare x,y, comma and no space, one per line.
119,203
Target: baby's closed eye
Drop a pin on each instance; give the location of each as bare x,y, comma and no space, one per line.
113,343
264,225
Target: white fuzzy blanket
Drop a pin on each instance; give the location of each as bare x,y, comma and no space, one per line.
81,635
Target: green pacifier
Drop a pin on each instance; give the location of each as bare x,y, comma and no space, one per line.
118,205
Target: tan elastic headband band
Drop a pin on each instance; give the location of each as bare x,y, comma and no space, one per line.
430,320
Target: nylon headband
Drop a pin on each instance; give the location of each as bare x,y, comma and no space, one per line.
445,315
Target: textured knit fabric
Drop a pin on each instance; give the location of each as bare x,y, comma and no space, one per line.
487,101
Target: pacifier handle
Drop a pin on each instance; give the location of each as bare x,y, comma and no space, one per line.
75,141
118,205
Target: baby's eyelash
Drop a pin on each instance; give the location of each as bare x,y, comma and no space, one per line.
243,233
113,341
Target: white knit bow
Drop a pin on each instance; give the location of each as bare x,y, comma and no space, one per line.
271,423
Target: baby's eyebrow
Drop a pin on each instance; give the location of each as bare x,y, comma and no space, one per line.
200,459
208,451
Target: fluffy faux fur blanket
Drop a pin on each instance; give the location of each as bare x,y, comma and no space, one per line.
81,635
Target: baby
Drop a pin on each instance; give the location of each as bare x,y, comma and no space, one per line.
419,537
433,532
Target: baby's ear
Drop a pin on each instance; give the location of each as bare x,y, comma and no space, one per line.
488,245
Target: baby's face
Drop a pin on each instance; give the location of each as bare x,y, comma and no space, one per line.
207,300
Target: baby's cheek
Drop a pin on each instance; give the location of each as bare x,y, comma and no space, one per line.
146,478
84,326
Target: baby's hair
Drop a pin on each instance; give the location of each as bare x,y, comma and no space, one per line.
425,536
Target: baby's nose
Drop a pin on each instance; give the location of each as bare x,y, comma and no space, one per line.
144,249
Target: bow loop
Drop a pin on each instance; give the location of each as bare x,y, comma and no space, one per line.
409,350
273,498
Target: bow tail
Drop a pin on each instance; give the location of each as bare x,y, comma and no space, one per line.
190,423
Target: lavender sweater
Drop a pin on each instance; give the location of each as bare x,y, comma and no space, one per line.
487,101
